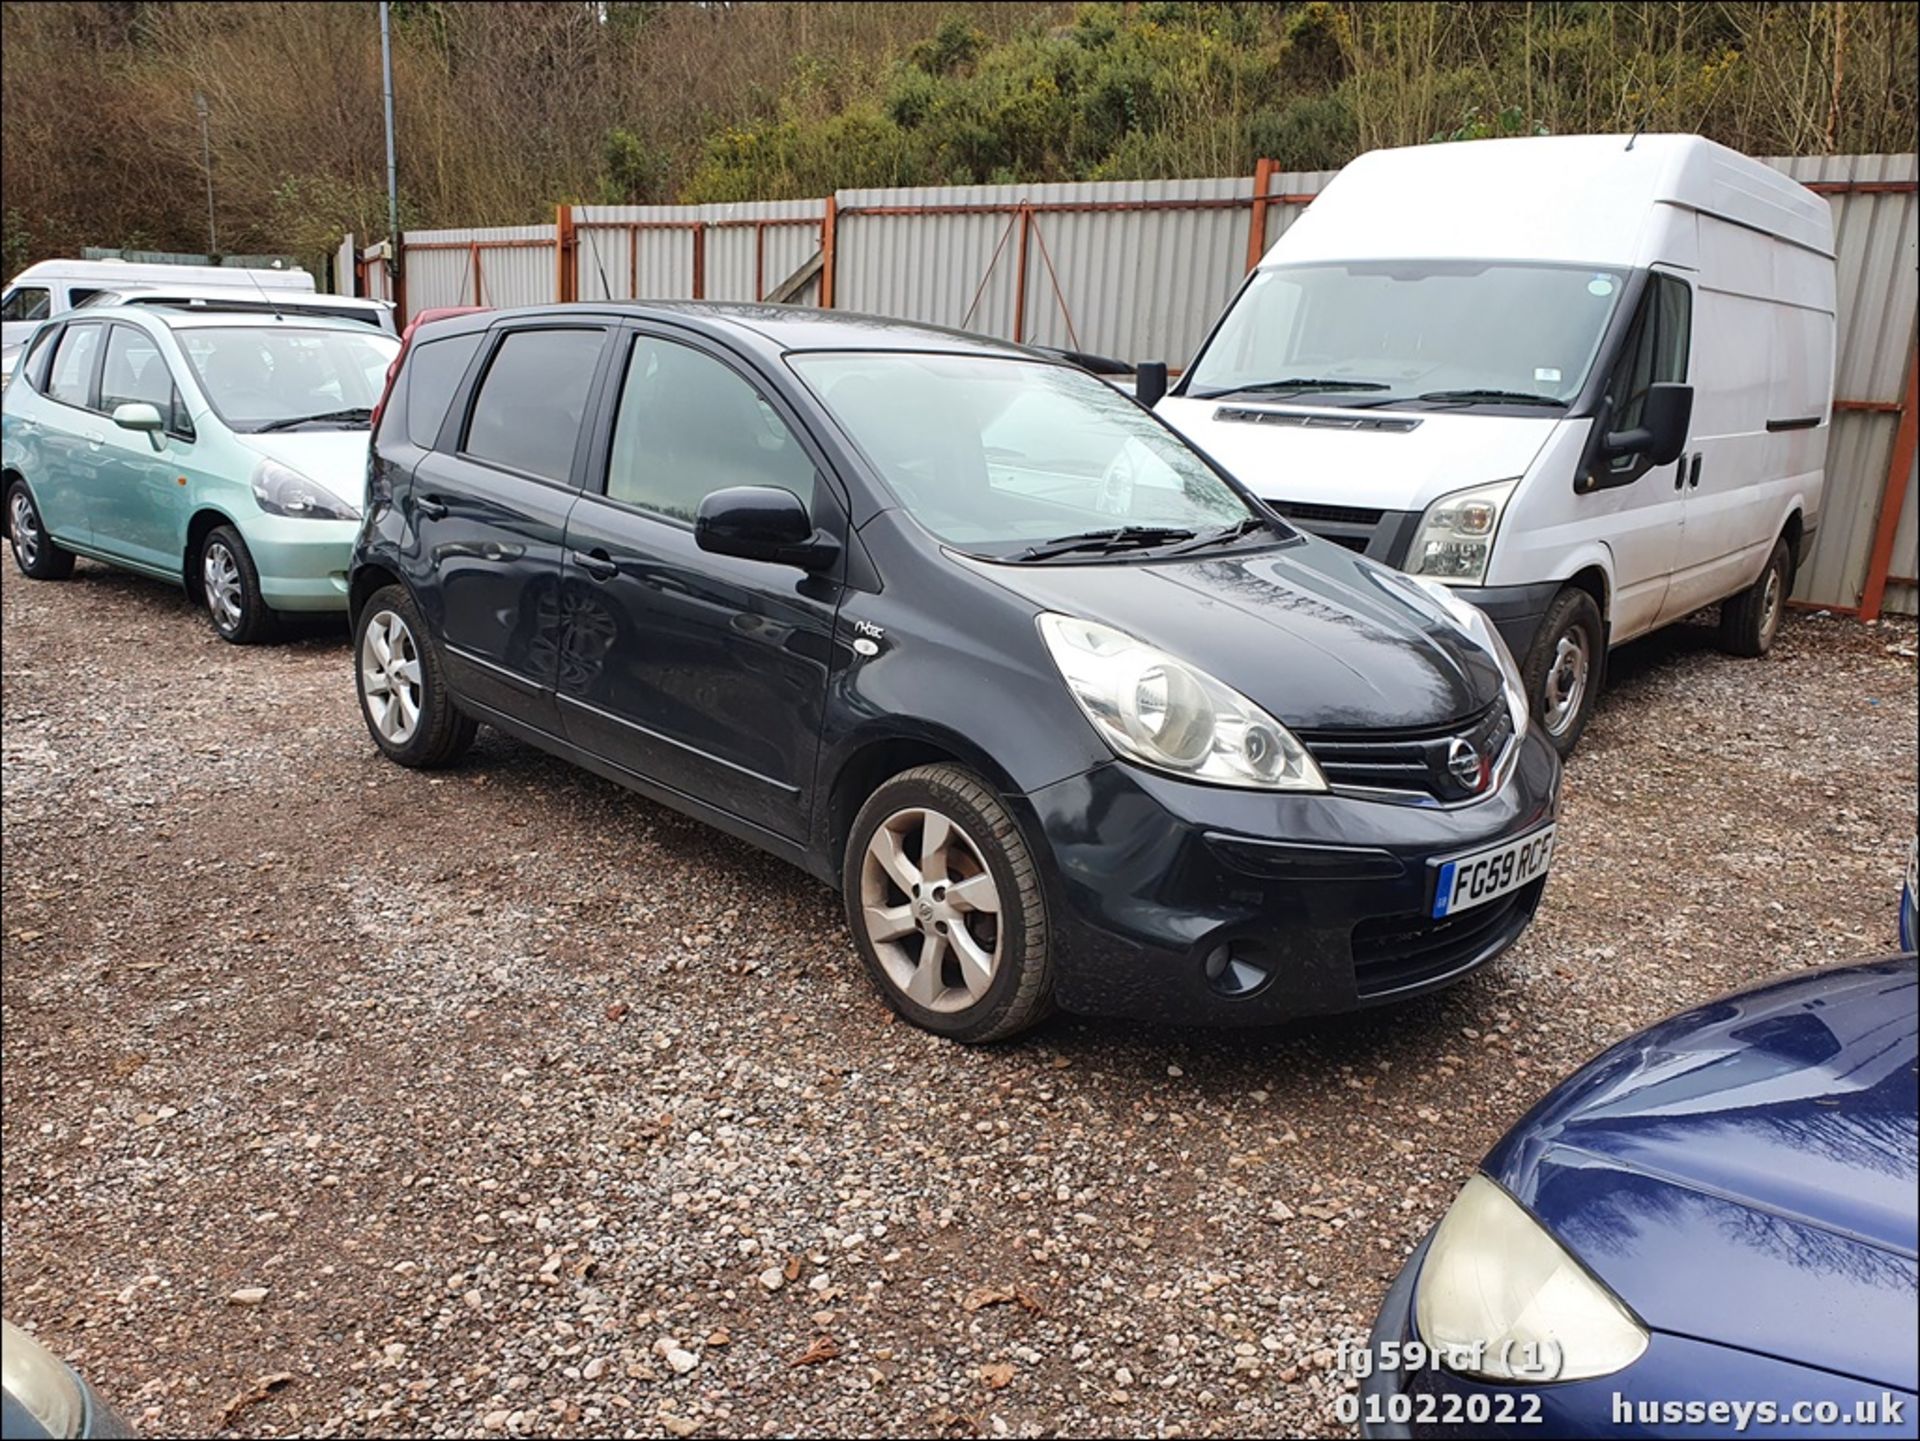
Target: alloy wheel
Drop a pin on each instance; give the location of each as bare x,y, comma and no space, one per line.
1566,686
26,530
931,910
390,677
221,574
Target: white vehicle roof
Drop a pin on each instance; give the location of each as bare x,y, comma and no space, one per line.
1577,199
226,319
104,273
187,294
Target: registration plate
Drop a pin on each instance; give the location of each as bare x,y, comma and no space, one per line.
1481,876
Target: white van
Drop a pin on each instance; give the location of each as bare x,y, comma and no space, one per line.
53,286
1585,380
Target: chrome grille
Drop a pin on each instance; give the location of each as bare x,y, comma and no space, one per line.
1416,763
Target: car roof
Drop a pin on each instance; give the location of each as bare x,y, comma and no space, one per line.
297,298
773,329
221,319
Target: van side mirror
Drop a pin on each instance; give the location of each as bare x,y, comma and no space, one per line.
762,522
139,415
1150,382
1662,432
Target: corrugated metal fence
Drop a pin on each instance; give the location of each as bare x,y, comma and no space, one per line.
1140,269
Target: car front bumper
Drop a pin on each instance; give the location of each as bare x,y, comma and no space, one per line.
1330,894
1682,1376
1515,610
302,563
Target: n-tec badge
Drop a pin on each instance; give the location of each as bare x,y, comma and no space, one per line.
1465,765
867,627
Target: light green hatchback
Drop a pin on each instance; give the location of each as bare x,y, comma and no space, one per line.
224,452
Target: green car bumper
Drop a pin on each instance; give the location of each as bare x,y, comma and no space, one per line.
302,563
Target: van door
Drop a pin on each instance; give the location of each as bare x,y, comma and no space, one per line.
1641,502
24,307
703,673
489,516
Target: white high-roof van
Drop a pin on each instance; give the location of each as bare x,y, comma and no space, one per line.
51,286
1585,380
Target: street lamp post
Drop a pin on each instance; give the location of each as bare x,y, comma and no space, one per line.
206,160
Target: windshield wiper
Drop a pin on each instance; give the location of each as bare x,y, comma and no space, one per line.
1120,537
1298,382
358,413
1222,534
1505,397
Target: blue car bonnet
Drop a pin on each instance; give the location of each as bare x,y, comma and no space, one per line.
1745,1172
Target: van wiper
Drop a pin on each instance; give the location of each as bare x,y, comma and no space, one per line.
358,414
1120,537
1505,397
1298,382
1222,534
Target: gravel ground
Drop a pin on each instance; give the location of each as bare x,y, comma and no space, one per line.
342,1100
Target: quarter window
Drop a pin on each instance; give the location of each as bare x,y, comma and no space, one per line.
528,411
26,302
433,373
71,381
688,426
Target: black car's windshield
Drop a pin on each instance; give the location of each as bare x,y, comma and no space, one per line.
283,377
1019,459
1426,333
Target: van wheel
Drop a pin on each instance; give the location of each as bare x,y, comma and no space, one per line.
403,689
1564,666
230,585
33,549
945,906
1750,620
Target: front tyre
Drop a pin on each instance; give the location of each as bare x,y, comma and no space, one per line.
403,687
1563,668
945,906
230,586
1750,620
33,549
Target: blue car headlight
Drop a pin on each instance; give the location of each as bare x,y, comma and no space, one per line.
1501,1300
283,491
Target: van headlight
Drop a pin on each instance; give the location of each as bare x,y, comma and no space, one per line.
1174,717
1498,1298
282,491
1473,620
1455,539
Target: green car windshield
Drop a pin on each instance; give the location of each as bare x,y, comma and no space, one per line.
281,376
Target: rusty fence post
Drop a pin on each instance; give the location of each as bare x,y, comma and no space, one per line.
1020,274
829,223
566,254
1893,498
1257,226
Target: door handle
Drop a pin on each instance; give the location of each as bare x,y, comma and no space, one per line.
1680,474
95,440
432,507
1693,476
597,564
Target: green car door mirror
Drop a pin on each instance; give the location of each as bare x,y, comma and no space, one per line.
139,415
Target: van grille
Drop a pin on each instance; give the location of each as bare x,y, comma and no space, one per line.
1352,526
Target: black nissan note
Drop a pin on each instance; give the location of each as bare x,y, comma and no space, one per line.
1066,714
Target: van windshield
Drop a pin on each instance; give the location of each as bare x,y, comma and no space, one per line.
1419,332
1023,460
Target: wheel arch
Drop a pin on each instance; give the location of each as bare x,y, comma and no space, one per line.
864,764
204,521
368,577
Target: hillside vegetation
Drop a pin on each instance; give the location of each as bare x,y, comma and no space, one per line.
506,109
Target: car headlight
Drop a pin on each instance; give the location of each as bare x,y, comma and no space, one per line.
1474,622
1500,1299
1455,539
40,1382
1172,716
281,491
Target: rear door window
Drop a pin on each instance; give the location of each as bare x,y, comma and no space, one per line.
433,374
33,362
71,380
528,412
134,372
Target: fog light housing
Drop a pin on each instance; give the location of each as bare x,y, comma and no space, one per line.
1236,970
